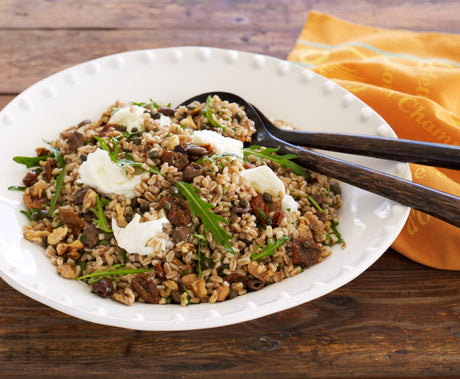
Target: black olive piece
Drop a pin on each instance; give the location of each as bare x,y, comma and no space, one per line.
191,171
123,128
198,151
267,197
205,264
137,140
36,216
144,207
103,287
174,191
83,157
255,285
243,203
180,149
175,297
167,111
134,130
83,123
335,189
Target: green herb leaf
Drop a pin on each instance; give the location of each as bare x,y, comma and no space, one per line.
201,239
17,188
112,272
28,214
150,104
283,160
270,249
209,219
105,146
334,225
57,192
207,111
123,162
101,220
316,205
122,254
30,162
214,157
58,156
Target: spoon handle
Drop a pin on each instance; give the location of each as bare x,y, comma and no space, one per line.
426,153
427,200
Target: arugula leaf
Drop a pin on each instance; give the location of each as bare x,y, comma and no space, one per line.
207,110
201,239
128,161
30,162
214,157
283,160
17,188
151,103
209,219
101,219
270,249
334,225
105,146
57,192
58,156
116,272
313,201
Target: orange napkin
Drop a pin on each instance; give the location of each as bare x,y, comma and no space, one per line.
412,80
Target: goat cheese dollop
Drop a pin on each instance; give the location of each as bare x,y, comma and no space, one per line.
100,172
143,238
219,143
263,179
130,117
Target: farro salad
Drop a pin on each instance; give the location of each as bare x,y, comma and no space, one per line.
166,205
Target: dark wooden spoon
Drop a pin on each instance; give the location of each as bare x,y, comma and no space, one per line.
427,200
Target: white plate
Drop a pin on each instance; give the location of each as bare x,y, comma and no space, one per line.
369,223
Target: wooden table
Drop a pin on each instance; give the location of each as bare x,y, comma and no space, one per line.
396,319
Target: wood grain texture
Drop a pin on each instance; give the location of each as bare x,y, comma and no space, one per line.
222,14
398,318
364,328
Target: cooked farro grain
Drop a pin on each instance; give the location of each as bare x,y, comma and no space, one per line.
188,228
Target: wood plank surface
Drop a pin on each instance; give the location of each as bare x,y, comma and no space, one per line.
397,319
364,326
220,15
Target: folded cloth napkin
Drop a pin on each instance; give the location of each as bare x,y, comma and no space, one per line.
412,80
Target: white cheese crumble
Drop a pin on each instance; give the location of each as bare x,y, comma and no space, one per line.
288,204
263,179
164,120
138,237
100,172
130,116
219,143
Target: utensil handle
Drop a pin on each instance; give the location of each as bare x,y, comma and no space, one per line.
427,200
431,154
